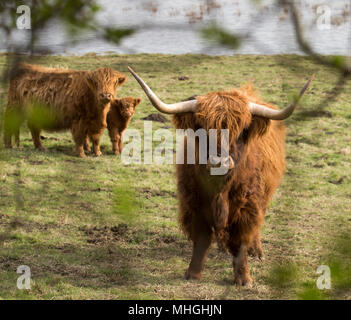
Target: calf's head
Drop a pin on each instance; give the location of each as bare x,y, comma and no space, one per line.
125,106
103,82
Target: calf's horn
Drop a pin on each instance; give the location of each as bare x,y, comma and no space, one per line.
180,107
265,112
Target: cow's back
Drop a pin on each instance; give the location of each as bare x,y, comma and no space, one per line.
62,91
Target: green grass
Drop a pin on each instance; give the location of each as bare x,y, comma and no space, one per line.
97,229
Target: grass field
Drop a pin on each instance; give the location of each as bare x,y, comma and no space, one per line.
94,228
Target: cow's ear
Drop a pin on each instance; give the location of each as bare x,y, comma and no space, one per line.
258,126
136,101
121,79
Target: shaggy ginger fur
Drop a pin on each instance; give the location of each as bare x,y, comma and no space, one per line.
121,112
60,99
231,207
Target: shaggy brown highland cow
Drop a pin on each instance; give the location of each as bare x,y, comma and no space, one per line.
231,207
60,99
121,112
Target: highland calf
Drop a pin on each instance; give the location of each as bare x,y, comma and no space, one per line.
60,99
121,112
231,207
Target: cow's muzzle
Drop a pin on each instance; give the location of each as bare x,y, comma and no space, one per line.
215,162
105,97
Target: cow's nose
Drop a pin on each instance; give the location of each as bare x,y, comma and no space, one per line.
106,96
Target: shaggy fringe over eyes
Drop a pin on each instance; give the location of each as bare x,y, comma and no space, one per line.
105,76
125,103
226,110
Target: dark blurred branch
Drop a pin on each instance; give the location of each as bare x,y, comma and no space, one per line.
338,63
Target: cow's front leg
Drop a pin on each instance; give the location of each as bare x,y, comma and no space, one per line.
120,143
241,266
36,137
202,237
7,139
87,144
17,137
95,138
79,137
255,248
114,137
12,124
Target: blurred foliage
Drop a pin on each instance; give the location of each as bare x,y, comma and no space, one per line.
126,204
283,275
339,261
13,119
116,35
311,292
289,276
221,36
40,116
339,62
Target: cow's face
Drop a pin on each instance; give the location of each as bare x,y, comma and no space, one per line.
103,82
126,106
225,110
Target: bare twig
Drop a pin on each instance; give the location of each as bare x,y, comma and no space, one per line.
344,68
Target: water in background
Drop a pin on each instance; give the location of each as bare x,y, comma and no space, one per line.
170,26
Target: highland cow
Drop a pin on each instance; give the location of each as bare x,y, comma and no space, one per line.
121,112
229,208
60,99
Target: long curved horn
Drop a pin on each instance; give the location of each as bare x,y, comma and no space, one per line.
265,112
180,107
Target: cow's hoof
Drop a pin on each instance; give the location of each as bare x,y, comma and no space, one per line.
243,280
98,154
256,253
192,276
81,155
40,148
